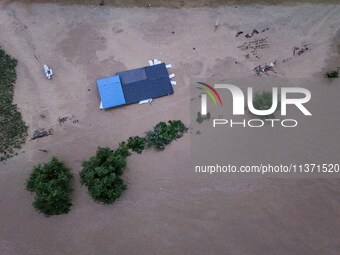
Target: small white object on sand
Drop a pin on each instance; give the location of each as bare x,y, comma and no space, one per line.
146,101
217,22
48,72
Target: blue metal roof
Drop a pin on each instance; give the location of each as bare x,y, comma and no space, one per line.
147,89
156,71
135,85
145,83
111,92
132,75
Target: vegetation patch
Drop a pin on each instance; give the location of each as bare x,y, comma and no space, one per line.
200,118
333,74
13,130
102,173
136,144
51,183
164,133
264,101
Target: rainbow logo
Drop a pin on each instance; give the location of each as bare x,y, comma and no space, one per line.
209,90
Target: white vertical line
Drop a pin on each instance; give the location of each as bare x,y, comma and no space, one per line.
204,104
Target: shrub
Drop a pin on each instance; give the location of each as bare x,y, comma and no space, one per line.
13,130
123,150
101,174
51,183
264,101
136,144
332,74
200,118
164,133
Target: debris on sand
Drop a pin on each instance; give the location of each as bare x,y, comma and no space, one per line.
41,132
297,51
239,33
258,69
252,47
286,60
62,120
43,150
294,50
254,32
217,22
264,69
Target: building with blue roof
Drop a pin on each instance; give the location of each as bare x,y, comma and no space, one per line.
111,92
135,85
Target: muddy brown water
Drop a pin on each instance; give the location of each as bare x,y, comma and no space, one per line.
179,3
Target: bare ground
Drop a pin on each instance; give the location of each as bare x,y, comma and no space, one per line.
167,209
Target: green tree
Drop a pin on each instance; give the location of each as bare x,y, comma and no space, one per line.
136,144
51,183
101,174
164,133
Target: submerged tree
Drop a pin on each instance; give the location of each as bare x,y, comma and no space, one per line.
101,174
51,183
164,133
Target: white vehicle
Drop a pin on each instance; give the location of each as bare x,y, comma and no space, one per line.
48,72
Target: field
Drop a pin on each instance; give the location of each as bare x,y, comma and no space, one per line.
167,208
